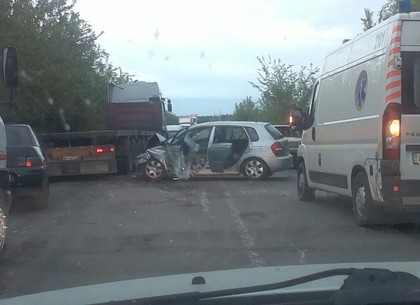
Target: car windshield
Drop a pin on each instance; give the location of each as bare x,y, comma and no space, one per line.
244,141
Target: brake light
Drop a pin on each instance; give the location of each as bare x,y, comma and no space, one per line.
391,131
101,150
277,149
34,161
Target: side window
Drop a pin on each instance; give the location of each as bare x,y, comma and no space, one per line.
228,134
199,136
312,107
252,134
222,134
238,133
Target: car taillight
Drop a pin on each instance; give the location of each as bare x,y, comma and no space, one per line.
104,149
391,131
34,161
277,149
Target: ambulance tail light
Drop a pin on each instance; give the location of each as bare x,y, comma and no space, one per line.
391,132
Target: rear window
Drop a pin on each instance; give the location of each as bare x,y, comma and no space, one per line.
410,75
20,136
274,132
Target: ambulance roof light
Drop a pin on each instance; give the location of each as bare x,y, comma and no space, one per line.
404,6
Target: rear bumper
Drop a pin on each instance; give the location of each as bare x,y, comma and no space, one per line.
278,164
73,168
22,177
399,195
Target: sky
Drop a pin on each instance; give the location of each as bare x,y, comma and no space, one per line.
203,54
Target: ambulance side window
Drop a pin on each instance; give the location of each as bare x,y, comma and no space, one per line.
312,107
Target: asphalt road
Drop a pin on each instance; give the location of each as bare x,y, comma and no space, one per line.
107,228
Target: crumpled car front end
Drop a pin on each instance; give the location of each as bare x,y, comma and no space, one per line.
165,160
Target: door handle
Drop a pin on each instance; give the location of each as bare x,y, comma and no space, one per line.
313,134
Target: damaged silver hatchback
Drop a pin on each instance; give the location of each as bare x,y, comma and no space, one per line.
253,149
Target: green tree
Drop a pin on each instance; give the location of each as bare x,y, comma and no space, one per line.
171,119
282,88
247,110
389,9
64,72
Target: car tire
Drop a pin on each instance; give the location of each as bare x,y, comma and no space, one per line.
305,193
255,169
153,170
3,226
363,208
41,196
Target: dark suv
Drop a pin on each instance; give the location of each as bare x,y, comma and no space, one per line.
27,165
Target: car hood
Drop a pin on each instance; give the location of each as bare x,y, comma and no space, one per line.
214,281
157,152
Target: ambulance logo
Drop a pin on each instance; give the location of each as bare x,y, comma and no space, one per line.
361,90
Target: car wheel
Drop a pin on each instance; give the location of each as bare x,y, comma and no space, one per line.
41,196
3,228
153,170
305,193
255,169
362,200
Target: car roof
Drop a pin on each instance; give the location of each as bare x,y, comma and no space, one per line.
21,132
232,123
18,125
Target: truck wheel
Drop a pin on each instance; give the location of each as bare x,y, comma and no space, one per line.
41,196
153,170
124,167
3,226
363,208
127,163
305,193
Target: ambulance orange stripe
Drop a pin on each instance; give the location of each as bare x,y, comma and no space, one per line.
395,84
397,29
393,96
396,50
393,73
395,40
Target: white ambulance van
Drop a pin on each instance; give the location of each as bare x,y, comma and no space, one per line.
361,137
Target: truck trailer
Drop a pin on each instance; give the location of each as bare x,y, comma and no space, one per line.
134,113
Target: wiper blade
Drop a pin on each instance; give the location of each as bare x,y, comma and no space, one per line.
378,286
362,286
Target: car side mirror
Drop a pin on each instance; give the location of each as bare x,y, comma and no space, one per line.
10,67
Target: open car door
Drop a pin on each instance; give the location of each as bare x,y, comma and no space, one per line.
229,144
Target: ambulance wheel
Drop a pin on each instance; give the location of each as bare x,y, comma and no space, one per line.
363,208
